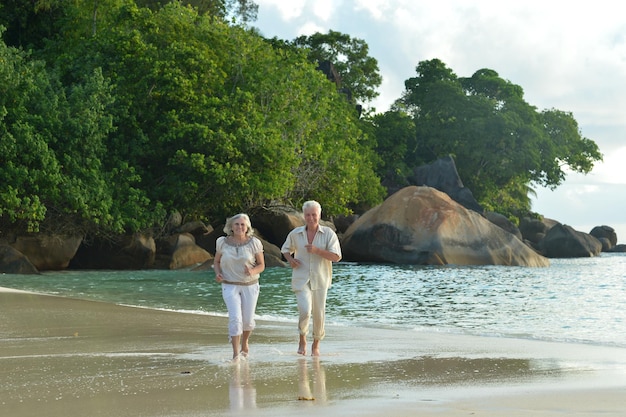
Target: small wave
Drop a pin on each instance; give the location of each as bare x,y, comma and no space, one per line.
178,310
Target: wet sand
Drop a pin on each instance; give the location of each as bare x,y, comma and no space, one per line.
68,357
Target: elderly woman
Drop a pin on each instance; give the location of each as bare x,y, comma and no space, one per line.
238,264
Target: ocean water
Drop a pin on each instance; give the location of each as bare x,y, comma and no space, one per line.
580,300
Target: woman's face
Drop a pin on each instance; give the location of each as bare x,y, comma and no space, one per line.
239,227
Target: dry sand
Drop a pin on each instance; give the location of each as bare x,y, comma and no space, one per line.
67,357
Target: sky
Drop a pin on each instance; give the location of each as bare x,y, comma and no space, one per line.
565,56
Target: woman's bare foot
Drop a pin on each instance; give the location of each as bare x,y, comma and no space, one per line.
244,343
315,348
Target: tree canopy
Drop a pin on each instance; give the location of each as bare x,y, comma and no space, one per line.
115,112
196,115
501,144
350,56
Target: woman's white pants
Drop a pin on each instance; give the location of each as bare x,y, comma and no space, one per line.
241,305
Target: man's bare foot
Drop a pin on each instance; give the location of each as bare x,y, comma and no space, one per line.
315,348
302,346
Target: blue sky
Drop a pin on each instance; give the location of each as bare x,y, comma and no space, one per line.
568,56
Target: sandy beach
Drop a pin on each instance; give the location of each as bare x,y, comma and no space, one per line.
69,357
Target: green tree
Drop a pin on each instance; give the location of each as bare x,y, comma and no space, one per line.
138,111
359,72
28,166
53,142
30,23
501,144
214,119
244,10
394,131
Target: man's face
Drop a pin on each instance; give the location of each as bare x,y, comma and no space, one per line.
312,216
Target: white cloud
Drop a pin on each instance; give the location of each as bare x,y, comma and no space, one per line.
288,9
376,8
608,172
324,9
309,28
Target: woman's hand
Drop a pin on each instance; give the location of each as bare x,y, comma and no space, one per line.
219,277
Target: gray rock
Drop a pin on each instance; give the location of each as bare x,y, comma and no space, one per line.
13,261
443,176
562,241
420,225
48,252
605,232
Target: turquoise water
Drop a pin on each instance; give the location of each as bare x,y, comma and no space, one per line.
579,300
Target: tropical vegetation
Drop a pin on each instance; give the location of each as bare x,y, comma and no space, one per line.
115,113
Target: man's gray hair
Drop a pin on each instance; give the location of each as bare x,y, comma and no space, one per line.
312,203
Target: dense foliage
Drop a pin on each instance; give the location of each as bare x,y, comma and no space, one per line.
52,148
501,144
358,71
114,113
195,115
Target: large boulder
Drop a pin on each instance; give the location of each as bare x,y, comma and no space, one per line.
274,224
196,228
126,252
271,254
501,221
562,241
534,230
342,222
180,251
48,252
207,240
13,261
443,176
621,248
606,235
420,225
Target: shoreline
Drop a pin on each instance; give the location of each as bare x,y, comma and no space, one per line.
64,356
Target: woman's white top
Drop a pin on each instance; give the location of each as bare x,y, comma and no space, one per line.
236,256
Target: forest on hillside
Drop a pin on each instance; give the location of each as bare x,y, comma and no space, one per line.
116,113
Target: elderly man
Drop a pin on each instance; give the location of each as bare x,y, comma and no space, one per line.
310,251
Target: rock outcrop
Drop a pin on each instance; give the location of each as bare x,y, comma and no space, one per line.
13,261
274,224
606,235
562,241
443,176
136,251
48,252
180,251
421,225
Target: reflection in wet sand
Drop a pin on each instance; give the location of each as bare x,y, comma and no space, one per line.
241,391
318,378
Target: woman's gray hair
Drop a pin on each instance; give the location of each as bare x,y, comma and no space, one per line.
228,227
312,203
